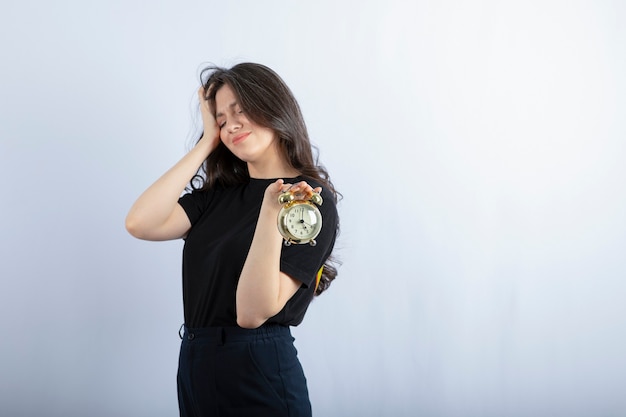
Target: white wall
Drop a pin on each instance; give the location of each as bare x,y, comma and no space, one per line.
479,146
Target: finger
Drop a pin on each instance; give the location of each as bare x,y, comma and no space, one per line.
299,191
286,187
278,185
304,191
302,185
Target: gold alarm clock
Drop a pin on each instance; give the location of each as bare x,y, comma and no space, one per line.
299,221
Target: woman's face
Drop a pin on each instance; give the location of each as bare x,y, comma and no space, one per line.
248,141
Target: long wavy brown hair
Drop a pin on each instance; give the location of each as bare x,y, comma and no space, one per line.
267,101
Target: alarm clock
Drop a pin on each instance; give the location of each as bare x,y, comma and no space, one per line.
299,221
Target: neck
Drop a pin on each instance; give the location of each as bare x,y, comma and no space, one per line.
273,165
261,171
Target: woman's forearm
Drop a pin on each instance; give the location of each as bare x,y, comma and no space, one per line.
259,287
156,204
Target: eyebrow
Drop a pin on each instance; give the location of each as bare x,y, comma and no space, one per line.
230,106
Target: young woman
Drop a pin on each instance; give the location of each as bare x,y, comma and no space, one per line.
242,287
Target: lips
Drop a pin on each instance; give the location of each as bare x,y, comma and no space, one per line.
240,138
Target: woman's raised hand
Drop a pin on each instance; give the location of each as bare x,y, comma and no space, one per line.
301,191
211,132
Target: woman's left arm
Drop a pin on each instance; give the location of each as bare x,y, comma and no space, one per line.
263,290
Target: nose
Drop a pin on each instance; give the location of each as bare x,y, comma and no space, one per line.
233,125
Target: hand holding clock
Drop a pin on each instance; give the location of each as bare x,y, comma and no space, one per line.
301,191
299,220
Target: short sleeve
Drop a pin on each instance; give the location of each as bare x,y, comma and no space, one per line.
302,262
195,203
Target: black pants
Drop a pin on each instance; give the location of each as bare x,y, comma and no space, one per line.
230,371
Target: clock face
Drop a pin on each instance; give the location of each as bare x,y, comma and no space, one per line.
303,221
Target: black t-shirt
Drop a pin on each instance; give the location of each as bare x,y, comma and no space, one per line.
223,221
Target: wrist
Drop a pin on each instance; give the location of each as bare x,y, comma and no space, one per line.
206,144
270,208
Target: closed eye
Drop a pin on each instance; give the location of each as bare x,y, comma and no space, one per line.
233,108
